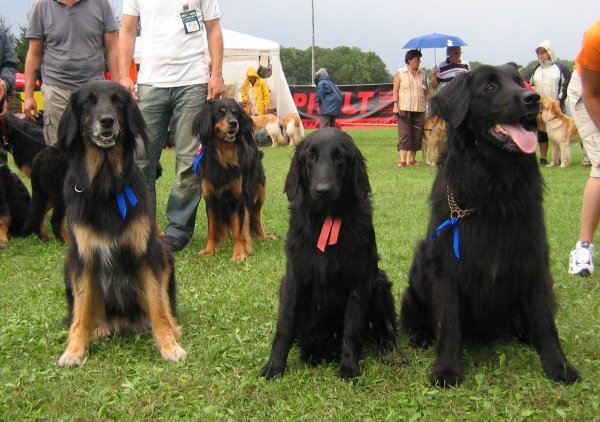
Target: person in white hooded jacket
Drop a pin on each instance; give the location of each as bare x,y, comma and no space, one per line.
550,79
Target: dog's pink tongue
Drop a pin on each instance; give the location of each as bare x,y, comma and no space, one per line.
525,140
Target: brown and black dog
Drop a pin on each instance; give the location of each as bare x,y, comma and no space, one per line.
14,202
118,274
233,178
46,166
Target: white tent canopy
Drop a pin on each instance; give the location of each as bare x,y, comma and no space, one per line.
242,51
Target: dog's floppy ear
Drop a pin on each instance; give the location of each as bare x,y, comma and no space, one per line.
295,176
245,121
137,124
68,127
453,101
203,126
360,178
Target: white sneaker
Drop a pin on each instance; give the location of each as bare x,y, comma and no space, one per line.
581,260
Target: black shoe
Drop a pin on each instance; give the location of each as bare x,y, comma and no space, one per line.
543,161
173,243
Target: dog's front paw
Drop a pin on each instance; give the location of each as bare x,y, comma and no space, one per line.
206,252
175,354
239,257
270,371
445,378
70,359
563,372
102,331
348,372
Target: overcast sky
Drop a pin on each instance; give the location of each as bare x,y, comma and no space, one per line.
496,31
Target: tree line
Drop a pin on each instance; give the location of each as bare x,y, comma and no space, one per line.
346,65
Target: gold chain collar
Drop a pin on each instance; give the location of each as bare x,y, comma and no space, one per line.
455,210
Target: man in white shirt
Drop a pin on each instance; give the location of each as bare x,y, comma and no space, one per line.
173,83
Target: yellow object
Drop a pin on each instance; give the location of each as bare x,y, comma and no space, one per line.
37,96
262,93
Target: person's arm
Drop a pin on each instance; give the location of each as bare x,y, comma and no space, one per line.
111,42
319,93
214,36
125,50
245,88
33,62
590,93
8,67
434,77
395,90
565,78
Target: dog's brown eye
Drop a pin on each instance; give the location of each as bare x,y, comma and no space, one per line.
311,155
338,156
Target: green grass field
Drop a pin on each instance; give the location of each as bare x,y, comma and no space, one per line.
228,312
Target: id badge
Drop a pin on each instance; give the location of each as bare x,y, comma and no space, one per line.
190,21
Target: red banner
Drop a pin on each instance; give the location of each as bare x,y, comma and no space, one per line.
364,105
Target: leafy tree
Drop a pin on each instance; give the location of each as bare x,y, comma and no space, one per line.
296,65
346,65
527,70
474,64
20,45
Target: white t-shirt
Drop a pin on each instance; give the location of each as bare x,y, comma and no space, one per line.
168,56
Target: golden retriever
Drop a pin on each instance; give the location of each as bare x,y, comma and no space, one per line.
291,129
561,131
270,123
434,135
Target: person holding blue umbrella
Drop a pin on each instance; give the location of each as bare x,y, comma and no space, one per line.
447,70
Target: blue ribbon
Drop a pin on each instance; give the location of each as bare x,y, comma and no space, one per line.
198,157
121,200
452,222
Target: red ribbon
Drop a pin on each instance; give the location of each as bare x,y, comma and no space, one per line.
331,231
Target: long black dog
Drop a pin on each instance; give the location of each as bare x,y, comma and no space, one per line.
333,298
483,273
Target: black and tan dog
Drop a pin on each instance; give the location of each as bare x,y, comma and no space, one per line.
14,202
118,274
23,139
233,179
47,168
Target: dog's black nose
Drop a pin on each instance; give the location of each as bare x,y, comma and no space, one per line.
107,120
323,188
233,123
531,97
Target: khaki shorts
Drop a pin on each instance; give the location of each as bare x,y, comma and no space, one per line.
591,144
56,100
590,135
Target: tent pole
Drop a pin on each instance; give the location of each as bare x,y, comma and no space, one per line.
312,75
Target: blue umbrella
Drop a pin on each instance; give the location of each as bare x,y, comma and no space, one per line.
434,41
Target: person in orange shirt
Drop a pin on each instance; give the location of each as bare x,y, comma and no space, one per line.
584,100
